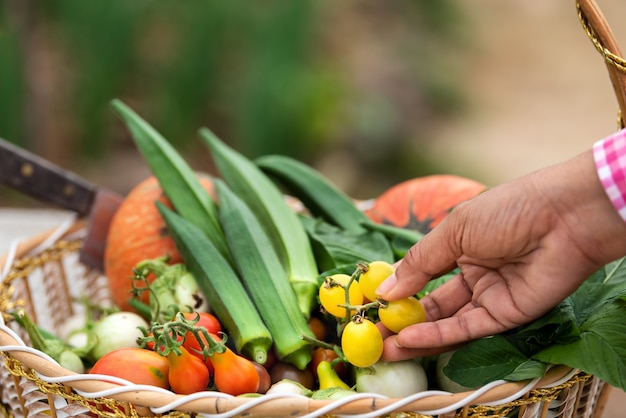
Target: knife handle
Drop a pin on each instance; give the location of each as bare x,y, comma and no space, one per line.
42,180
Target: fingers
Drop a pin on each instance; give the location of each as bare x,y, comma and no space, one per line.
447,299
433,255
393,352
441,335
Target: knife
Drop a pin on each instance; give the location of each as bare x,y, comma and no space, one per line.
49,183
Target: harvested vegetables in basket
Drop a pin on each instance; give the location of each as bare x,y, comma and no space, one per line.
244,275
342,363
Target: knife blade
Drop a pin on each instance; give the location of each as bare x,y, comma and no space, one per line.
38,178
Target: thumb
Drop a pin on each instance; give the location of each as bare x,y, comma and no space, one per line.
435,254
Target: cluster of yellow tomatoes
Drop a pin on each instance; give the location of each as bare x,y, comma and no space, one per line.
352,300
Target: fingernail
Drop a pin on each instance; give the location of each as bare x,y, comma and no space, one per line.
386,285
396,343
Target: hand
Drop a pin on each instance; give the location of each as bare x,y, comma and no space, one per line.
521,248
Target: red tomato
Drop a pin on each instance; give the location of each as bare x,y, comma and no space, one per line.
265,381
211,324
150,345
206,320
234,374
318,327
137,365
188,374
283,370
326,354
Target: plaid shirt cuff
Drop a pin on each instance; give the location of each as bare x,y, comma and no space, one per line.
610,158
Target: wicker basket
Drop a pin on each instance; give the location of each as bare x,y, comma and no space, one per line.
43,275
46,279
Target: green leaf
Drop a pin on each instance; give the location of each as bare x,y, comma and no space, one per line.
587,331
556,327
530,369
400,239
335,247
483,361
615,272
601,349
602,287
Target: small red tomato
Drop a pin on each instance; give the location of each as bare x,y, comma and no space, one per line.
326,354
150,345
205,320
188,374
318,327
137,365
283,370
234,374
211,324
265,380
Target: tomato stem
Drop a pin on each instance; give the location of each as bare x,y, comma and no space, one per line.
319,343
141,276
170,336
361,267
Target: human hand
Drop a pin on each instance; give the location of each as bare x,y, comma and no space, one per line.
521,248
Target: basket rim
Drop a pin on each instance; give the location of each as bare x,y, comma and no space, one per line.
160,400
23,247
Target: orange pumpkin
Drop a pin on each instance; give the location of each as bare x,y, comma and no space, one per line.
137,232
422,203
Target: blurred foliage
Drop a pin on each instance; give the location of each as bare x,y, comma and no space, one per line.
353,87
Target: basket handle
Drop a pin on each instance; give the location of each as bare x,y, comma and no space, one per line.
600,34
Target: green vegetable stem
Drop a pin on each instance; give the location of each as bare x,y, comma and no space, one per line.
50,344
173,290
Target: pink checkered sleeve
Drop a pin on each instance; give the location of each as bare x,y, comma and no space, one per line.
610,158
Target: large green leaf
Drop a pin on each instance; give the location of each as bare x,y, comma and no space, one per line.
483,361
601,349
556,327
335,247
530,369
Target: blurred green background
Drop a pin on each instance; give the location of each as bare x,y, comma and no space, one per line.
355,89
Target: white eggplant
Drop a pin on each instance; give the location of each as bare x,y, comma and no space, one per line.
116,330
396,379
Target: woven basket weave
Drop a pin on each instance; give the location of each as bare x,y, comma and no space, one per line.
43,276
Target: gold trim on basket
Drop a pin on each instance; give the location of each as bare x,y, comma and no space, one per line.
599,32
23,267
111,408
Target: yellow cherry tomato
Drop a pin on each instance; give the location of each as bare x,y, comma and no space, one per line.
361,342
375,274
401,313
332,294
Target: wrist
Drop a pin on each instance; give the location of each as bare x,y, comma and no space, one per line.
584,208
610,160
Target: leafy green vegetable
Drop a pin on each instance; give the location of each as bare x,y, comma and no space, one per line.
587,331
529,369
334,246
601,349
400,239
484,361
